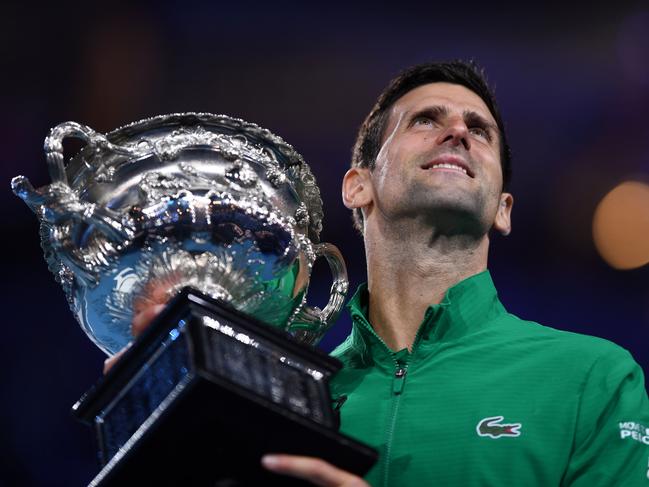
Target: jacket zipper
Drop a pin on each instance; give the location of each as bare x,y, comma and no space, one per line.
398,381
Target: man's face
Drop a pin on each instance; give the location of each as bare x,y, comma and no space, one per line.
440,160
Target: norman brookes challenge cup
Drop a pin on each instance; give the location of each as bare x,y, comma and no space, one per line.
226,217
178,200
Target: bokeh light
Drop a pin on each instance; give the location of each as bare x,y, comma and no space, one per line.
621,226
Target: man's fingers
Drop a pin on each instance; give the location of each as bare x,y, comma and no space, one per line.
314,470
142,319
110,361
140,323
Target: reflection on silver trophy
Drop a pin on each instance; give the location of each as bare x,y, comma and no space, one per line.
191,199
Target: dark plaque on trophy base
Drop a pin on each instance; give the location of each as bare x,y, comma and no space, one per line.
204,393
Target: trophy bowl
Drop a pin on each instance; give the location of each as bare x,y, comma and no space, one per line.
183,200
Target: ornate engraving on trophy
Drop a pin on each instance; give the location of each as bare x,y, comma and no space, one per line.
189,199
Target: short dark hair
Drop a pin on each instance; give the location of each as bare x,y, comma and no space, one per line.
467,74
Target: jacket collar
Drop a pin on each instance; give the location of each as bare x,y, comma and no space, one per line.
467,307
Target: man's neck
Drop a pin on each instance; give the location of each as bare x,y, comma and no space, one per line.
408,270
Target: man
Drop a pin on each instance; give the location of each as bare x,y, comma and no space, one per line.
449,387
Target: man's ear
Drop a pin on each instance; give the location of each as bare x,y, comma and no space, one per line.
357,188
503,221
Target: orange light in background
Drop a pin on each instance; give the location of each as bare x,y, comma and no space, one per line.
621,226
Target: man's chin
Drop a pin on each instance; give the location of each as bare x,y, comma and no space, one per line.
454,217
446,201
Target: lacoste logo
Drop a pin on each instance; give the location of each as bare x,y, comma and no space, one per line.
492,428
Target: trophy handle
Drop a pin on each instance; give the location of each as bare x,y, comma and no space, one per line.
339,287
54,146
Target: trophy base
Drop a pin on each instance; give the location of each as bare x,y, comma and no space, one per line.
204,393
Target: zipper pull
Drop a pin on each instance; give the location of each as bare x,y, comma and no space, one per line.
399,380
337,404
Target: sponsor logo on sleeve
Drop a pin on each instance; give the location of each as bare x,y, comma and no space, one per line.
634,431
493,428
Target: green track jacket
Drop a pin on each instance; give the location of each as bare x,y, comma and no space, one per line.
487,399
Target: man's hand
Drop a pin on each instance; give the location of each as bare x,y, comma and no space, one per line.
147,306
141,321
312,469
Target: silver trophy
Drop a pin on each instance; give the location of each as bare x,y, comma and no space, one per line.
195,201
189,199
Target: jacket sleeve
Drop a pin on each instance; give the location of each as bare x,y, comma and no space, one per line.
611,440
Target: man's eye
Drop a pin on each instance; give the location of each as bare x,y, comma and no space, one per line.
422,121
480,132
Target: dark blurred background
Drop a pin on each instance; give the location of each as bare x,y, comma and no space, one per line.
572,82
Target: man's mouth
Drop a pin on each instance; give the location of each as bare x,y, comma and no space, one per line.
449,163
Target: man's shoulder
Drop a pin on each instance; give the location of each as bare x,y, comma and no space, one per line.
557,342
519,337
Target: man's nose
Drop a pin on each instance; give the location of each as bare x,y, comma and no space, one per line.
455,133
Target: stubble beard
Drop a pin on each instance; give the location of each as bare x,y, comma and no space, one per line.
443,207
447,209
451,215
